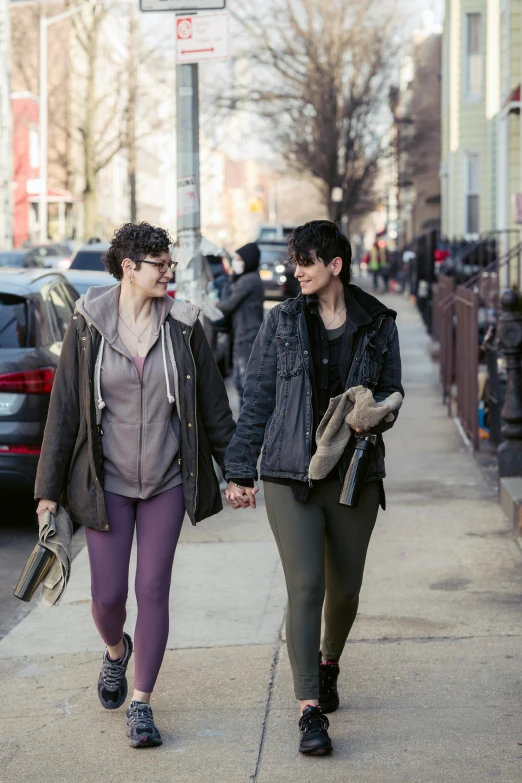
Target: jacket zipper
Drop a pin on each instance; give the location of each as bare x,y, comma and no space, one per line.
310,412
195,419
140,442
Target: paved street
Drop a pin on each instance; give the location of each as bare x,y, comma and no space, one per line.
430,681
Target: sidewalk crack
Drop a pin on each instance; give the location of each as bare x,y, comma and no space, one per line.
271,681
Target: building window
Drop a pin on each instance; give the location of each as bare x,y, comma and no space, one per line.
472,180
473,55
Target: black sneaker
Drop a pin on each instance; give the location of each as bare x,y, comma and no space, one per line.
313,726
112,682
328,695
141,729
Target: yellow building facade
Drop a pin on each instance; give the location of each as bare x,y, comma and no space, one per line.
481,166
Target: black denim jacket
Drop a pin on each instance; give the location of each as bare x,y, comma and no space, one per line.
277,413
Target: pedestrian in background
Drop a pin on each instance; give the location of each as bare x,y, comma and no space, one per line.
332,337
137,411
379,264
244,307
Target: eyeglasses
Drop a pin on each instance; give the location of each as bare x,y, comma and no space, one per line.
162,266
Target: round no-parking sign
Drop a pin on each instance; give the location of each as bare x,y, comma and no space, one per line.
184,28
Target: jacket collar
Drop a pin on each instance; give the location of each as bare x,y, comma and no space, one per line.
100,307
185,312
356,313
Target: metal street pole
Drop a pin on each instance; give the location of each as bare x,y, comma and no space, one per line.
189,219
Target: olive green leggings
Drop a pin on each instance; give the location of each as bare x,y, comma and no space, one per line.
323,548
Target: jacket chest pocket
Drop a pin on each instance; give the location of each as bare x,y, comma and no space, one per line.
289,361
374,360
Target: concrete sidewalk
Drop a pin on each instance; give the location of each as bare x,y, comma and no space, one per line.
430,680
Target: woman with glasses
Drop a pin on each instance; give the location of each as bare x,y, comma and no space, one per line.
138,410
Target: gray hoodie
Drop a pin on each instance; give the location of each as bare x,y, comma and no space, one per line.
139,421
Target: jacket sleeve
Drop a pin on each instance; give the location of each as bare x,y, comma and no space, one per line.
213,405
258,404
238,295
390,379
63,421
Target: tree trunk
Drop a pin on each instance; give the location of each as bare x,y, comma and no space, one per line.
131,119
90,200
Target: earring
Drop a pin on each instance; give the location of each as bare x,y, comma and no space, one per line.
131,279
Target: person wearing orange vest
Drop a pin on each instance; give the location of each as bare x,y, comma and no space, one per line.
379,264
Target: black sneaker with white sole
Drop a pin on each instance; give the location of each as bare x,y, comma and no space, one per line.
328,694
313,726
141,729
112,682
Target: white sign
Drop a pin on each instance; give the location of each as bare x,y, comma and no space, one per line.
188,6
188,199
202,37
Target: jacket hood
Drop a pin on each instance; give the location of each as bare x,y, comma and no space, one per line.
372,306
363,308
99,306
251,255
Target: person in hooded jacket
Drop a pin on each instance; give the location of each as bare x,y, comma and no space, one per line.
244,307
310,349
137,412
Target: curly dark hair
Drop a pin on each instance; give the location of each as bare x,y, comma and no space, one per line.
326,239
135,241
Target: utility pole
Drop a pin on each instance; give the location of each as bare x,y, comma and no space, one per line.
189,220
198,38
6,132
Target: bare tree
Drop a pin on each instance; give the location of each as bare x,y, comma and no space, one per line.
101,119
319,76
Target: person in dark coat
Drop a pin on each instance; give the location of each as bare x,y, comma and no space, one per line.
245,308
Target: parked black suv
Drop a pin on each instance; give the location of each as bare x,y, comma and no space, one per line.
35,308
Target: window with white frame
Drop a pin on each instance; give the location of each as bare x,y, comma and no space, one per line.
472,182
473,56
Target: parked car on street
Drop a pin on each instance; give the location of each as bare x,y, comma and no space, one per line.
273,232
51,254
19,259
276,272
35,308
90,256
83,279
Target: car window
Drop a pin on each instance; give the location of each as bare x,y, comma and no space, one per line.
72,295
11,259
13,321
32,259
62,306
85,259
273,256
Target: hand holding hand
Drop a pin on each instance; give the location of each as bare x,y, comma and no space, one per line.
243,497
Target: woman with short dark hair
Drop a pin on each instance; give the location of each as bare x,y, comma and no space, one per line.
332,337
138,409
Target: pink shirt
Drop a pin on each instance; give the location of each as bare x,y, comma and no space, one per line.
139,362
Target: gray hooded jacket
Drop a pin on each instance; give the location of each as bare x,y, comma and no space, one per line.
140,425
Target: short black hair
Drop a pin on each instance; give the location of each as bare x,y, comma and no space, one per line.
135,241
326,239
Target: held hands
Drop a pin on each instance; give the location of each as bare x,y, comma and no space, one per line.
241,497
45,505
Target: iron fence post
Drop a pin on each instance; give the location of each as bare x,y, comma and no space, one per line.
509,333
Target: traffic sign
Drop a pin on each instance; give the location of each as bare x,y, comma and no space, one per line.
183,6
202,37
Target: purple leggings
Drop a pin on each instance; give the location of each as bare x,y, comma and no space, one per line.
158,525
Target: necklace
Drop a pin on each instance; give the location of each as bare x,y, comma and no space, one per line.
137,336
335,316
